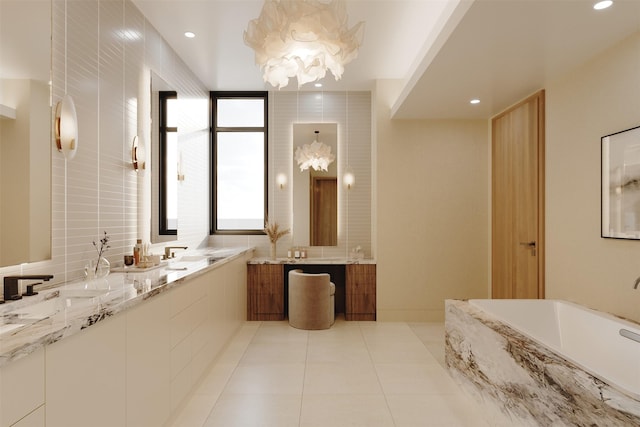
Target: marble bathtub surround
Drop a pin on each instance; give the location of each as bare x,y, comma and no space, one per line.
519,381
56,313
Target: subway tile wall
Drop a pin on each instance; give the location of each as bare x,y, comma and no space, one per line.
102,54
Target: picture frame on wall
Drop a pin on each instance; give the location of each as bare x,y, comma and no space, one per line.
620,180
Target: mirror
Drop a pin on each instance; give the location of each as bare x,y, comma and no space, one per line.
25,131
164,161
621,184
315,192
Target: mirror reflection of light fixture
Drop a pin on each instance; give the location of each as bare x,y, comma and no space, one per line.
349,178
316,155
66,127
281,180
137,154
302,39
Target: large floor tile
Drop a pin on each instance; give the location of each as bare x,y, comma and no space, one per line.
341,378
337,352
434,410
345,410
280,352
279,332
400,352
414,378
285,378
255,410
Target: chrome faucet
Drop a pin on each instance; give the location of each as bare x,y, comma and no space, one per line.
167,251
11,290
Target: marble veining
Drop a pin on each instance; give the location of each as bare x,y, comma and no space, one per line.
60,312
521,382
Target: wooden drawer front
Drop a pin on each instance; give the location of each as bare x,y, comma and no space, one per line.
360,292
265,292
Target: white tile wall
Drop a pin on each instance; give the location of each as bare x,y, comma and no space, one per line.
101,52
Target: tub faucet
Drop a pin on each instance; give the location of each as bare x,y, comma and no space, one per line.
11,291
167,251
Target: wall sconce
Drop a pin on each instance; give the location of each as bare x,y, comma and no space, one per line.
281,180
137,154
349,178
66,127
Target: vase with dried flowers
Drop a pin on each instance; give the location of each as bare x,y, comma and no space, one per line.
274,232
100,267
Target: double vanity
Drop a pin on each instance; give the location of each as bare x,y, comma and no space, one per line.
123,350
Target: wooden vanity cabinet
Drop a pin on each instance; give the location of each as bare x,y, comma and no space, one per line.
265,292
360,292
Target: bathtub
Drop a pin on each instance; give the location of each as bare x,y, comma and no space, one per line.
545,362
589,338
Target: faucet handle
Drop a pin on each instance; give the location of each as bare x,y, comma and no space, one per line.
30,291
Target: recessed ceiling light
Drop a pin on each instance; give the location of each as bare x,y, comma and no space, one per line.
318,85
189,34
474,101
602,4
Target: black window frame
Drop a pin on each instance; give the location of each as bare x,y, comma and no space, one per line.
163,129
214,129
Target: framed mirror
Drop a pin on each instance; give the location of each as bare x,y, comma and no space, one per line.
621,184
315,191
25,131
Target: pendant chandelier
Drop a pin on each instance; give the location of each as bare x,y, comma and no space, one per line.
316,155
302,39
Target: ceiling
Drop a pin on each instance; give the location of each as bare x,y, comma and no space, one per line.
445,52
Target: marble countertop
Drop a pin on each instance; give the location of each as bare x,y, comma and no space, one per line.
328,261
56,313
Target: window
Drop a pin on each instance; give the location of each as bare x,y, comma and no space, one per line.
239,162
168,167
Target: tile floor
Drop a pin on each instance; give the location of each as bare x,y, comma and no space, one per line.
354,374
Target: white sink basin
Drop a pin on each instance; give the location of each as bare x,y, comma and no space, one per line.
186,262
193,258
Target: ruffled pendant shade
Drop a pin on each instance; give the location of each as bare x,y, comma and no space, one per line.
302,39
316,155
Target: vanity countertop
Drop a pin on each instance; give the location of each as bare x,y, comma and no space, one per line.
306,261
59,312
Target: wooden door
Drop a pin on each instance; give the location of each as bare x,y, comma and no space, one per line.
517,255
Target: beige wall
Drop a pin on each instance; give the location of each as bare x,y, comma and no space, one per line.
432,212
598,99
